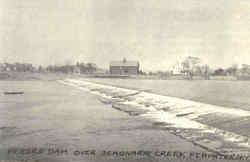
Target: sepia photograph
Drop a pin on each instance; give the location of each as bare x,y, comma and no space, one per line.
124,81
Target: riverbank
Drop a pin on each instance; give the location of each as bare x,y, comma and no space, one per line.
32,76
56,76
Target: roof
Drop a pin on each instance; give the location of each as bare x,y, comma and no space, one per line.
124,63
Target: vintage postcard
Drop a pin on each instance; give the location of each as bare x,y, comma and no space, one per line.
124,80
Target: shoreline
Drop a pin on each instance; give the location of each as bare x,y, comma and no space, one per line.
9,76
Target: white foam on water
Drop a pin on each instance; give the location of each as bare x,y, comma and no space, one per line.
173,107
197,107
184,123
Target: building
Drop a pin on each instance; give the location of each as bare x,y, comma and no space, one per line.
177,69
124,67
188,64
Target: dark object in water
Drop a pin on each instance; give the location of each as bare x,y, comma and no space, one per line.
10,93
127,95
180,115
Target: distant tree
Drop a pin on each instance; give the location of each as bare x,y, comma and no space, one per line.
40,69
245,70
190,65
232,70
219,71
150,73
205,72
82,68
51,68
91,67
141,72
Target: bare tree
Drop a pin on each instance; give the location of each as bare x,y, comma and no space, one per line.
232,70
189,65
205,72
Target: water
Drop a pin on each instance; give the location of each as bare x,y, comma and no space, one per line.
185,118
234,94
50,114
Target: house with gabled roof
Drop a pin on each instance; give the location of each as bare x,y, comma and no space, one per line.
124,67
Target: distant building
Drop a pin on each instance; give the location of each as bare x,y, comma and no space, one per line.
188,64
124,67
177,69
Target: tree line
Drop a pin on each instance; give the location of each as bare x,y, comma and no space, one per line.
83,68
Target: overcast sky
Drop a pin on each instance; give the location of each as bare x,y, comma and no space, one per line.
155,32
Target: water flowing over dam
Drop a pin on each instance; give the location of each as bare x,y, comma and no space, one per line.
218,129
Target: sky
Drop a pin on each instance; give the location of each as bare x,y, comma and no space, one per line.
157,33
